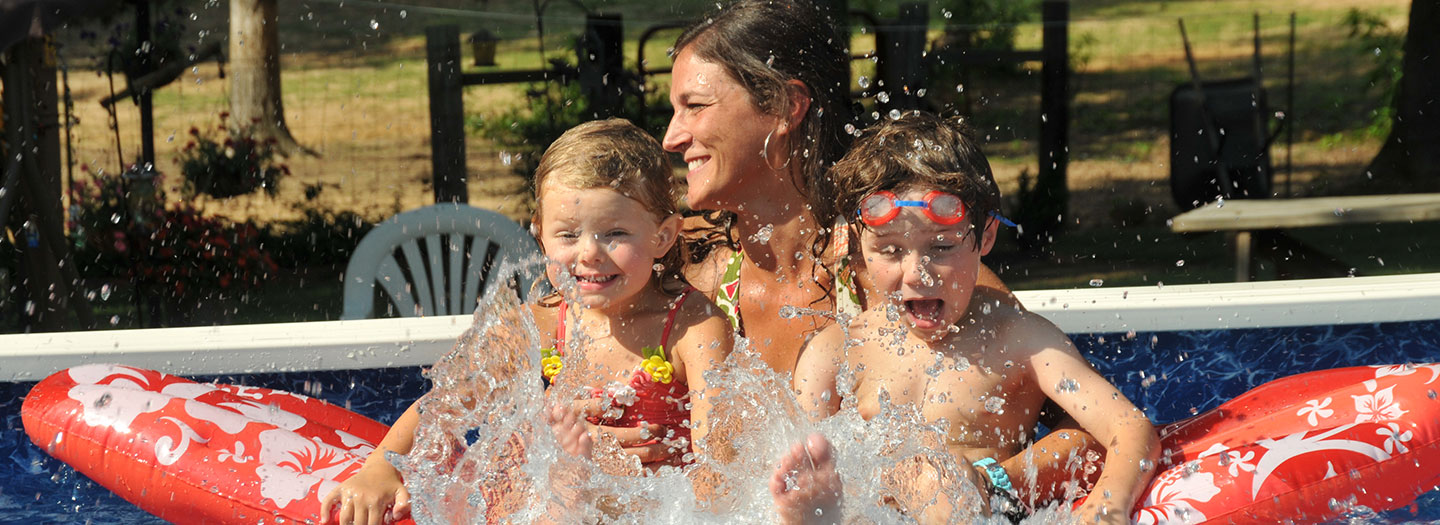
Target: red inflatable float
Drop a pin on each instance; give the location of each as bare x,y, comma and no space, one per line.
1304,448
198,453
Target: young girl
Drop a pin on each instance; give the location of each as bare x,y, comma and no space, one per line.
625,324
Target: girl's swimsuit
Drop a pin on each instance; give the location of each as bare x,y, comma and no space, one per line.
653,395
847,299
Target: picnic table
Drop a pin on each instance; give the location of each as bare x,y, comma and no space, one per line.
1243,219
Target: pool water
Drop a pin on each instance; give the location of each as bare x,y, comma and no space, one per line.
1170,375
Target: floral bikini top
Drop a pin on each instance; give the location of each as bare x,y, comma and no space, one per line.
847,300
652,395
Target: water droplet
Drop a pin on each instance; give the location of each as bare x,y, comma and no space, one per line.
1180,263
1220,202
104,292
883,97
763,236
851,130
115,218
894,114
962,364
374,24
658,267
864,82
114,320
994,405
1066,386
1097,283
959,88
920,93
403,14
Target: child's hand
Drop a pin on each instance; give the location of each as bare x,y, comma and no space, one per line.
376,494
570,430
640,441
805,481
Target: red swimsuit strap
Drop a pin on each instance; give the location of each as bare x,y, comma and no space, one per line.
664,335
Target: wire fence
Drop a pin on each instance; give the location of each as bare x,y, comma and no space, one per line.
354,92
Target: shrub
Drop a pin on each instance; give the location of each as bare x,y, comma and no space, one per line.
236,165
552,108
176,252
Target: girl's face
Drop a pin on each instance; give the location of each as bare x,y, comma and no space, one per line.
719,131
607,241
928,270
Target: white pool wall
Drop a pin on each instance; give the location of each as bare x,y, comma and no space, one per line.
381,343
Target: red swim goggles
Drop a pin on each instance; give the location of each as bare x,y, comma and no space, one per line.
882,206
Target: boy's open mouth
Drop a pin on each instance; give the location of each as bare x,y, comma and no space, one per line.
924,313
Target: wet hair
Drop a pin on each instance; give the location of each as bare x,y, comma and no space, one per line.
918,151
618,155
763,44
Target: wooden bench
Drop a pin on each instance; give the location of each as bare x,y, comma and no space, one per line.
1244,218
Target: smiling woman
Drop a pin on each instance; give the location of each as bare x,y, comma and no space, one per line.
761,111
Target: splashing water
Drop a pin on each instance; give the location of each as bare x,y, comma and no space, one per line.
482,449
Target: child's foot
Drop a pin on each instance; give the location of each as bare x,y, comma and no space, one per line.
805,485
570,431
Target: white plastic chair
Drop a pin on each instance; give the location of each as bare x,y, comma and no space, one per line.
434,260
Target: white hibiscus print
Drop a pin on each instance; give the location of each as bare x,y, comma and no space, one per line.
1314,410
1238,462
1173,496
1394,439
237,455
1377,406
1407,369
290,465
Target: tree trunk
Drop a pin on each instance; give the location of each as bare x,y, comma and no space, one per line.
1411,155
255,105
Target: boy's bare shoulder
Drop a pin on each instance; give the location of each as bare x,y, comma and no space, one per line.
1019,331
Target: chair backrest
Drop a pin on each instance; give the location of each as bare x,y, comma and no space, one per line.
435,260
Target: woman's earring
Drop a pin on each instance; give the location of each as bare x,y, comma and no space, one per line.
765,153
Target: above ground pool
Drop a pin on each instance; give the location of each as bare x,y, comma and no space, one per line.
1175,351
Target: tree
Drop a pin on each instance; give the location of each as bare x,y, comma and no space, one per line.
1411,153
255,103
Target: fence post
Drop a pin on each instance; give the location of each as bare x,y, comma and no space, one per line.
900,45
1054,111
602,75
447,114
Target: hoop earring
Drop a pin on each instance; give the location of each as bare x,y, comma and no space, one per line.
765,153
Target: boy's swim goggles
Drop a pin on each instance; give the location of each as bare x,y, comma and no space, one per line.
945,209
882,206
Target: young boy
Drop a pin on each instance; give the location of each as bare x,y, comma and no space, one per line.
925,206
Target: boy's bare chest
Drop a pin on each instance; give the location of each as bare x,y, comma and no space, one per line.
977,398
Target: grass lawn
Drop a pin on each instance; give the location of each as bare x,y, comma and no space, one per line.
355,91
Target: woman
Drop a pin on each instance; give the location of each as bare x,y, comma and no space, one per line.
762,109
